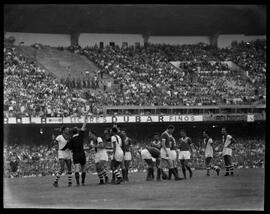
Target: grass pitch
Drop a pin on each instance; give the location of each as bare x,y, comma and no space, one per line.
244,191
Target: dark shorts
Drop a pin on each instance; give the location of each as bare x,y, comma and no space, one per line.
79,158
208,161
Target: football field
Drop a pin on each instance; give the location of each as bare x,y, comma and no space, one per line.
243,191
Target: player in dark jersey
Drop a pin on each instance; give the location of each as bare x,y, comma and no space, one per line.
173,158
165,151
75,144
149,154
185,148
101,157
127,149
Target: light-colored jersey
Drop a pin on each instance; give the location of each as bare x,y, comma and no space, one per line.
208,147
66,154
227,141
118,142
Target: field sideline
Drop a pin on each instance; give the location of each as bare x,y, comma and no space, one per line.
243,191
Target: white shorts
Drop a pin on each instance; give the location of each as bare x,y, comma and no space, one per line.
101,156
119,155
127,156
64,154
146,154
208,154
163,153
172,155
227,151
184,155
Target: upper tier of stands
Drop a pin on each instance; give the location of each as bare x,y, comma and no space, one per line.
142,76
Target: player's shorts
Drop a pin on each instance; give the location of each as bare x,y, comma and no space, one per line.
127,156
155,153
146,154
79,158
101,156
119,155
227,151
172,155
208,161
184,155
163,153
64,154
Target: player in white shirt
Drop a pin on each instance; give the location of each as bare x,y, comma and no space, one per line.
64,157
118,155
101,157
227,151
208,149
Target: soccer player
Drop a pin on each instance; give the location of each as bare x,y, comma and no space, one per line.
165,151
101,157
227,151
207,141
184,153
173,156
156,143
75,144
118,155
64,157
126,146
148,154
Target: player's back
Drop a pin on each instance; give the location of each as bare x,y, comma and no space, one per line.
76,142
184,143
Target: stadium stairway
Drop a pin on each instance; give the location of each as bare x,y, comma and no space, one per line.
60,63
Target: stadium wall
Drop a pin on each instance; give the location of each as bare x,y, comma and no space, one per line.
30,133
178,40
90,39
226,40
28,39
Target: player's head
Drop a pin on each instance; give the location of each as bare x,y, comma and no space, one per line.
183,133
64,130
156,135
205,134
92,134
115,130
99,140
123,132
223,131
170,129
74,130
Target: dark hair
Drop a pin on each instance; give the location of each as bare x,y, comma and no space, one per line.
171,127
62,128
94,133
114,130
206,132
75,130
156,133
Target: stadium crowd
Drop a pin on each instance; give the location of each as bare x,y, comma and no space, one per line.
26,160
143,75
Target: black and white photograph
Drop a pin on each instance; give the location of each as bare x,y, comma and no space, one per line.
134,106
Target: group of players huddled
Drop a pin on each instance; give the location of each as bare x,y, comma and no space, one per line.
162,152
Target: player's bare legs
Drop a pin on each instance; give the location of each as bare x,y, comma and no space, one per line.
228,165
185,165
83,173
59,173
127,164
77,174
68,163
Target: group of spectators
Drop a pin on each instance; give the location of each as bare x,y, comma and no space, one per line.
41,160
143,76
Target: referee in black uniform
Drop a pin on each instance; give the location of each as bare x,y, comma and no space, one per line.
75,144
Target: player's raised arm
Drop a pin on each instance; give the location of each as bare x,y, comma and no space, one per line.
84,124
